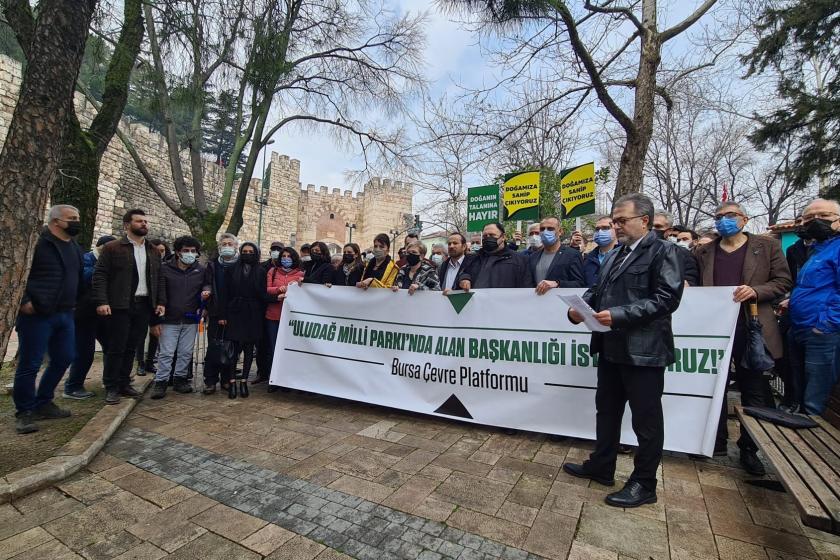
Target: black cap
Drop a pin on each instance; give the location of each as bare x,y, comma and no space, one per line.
104,239
277,245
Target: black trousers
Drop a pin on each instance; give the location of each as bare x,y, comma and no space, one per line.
642,387
126,328
755,391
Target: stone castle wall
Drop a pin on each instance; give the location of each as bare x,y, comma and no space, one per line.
290,215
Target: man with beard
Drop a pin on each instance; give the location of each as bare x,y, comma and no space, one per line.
125,289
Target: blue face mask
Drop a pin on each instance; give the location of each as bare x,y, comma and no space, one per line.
286,262
727,227
548,237
188,258
602,238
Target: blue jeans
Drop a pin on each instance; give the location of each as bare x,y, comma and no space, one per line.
813,360
89,329
178,342
53,334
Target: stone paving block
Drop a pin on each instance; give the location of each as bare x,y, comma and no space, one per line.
88,488
213,547
415,461
429,555
731,549
530,491
299,548
328,537
583,551
145,551
24,541
412,493
113,545
551,535
228,522
488,526
434,509
38,500
478,494
632,535
268,539
54,550
690,535
362,488
109,515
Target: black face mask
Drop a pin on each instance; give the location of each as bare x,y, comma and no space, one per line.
73,228
819,229
248,258
801,233
659,233
490,244
347,258
412,259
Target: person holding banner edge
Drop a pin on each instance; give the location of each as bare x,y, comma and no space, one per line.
639,287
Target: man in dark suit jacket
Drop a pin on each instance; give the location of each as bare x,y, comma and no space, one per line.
555,266
459,260
639,287
125,290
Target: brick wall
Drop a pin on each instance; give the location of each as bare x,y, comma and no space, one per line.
289,209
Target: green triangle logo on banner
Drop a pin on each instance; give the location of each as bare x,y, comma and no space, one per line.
459,301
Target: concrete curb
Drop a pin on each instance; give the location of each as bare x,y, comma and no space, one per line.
74,455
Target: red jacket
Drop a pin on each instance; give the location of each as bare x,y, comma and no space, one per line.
276,281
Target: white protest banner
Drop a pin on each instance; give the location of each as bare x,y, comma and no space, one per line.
505,358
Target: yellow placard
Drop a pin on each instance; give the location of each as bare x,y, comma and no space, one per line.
577,190
521,196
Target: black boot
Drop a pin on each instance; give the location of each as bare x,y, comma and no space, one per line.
112,396
25,423
209,389
243,389
159,390
182,385
232,389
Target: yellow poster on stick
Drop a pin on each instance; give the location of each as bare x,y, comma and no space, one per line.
521,196
577,190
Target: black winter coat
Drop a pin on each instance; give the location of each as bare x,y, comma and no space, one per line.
339,278
46,277
505,269
180,291
319,273
641,295
242,302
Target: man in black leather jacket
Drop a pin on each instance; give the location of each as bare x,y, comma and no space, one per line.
639,287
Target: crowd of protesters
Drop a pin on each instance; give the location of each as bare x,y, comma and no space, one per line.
129,287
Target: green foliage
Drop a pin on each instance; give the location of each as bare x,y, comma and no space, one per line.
219,133
802,43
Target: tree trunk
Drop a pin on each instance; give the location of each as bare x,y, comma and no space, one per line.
631,170
78,180
31,154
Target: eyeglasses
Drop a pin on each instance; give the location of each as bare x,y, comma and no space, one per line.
621,222
733,215
818,216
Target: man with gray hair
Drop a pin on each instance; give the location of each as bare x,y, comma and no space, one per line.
45,322
228,257
638,289
438,254
663,227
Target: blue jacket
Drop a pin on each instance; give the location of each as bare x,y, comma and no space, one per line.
89,264
815,302
592,265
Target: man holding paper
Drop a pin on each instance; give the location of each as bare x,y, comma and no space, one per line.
638,289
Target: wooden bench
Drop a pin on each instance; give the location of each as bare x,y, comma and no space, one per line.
807,462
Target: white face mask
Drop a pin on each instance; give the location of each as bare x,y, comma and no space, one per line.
684,244
437,259
672,239
379,252
305,258
534,240
275,255
369,257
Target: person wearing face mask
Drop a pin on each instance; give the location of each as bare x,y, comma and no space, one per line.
533,242
418,273
663,228
606,241
496,265
184,285
379,272
349,272
475,243
228,249
755,267
555,266
89,330
686,238
278,279
45,319
438,254
263,359
243,299
305,258
814,308
321,271
125,288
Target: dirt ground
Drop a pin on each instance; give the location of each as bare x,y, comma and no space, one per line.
18,451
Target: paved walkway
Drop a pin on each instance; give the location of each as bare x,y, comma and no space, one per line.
302,476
